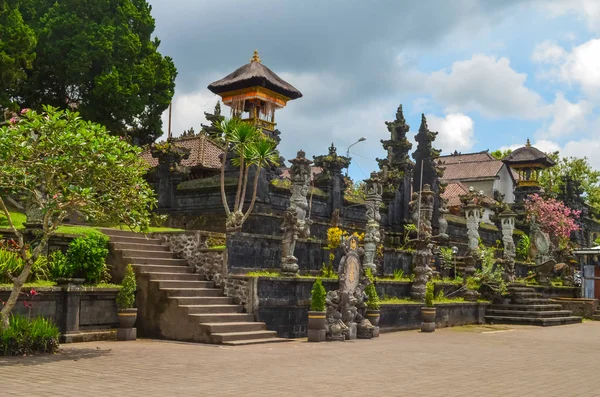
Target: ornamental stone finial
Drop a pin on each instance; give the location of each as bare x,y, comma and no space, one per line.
255,57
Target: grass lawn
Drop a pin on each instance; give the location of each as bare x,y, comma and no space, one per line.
19,219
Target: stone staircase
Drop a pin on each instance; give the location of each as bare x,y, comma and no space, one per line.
527,307
596,315
175,303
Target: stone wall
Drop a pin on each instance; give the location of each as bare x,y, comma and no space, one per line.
395,259
408,316
71,308
579,306
195,248
283,302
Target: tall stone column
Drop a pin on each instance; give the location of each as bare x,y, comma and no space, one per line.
507,220
374,190
295,222
424,254
473,215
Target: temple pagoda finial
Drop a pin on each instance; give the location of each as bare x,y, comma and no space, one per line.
528,144
255,57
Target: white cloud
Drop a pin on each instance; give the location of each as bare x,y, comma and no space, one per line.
567,117
188,111
580,66
487,85
581,148
587,10
455,132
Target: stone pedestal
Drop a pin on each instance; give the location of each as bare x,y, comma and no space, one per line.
427,327
316,335
376,332
351,331
124,334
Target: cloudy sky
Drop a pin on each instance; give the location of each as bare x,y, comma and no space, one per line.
487,74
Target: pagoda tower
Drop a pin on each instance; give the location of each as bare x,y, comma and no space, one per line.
254,92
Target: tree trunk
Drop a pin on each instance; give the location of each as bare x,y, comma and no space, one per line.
240,182
253,196
223,196
243,197
14,294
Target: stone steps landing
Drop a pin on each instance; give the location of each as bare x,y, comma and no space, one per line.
527,307
596,315
191,299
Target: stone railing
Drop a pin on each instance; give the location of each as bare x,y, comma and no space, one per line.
203,251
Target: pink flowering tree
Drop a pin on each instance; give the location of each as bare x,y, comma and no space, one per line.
554,218
55,163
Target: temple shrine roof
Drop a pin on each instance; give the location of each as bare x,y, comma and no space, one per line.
471,166
456,189
251,75
203,152
528,155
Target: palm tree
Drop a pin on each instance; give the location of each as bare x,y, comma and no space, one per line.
251,148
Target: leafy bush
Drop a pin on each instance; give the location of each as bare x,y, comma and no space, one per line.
126,296
11,263
372,297
398,274
429,294
59,267
523,247
26,337
317,300
85,258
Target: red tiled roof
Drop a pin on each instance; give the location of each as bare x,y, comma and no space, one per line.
471,166
314,170
455,190
203,152
467,157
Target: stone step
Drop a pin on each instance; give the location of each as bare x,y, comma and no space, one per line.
245,326
184,284
202,300
88,336
193,291
200,309
156,261
223,337
525,313
544,322
136,240
160,276
223,317
245,342
526,307
526,295
521,289
596,317
530,301
163,268
120,233
141,247
144,254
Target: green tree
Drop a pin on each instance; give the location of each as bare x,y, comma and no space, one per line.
578,169
99,57
248,147
500,154
17,44
57,163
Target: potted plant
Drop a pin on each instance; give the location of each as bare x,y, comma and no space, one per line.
316,315
373,312
127,314
428,311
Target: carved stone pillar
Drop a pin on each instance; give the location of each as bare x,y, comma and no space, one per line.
424,254
507,220
295,223
374,190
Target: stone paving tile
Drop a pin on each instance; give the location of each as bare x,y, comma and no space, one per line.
546,362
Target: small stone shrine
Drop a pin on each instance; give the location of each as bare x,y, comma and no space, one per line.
346,307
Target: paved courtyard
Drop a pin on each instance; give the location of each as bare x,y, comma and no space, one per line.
465,361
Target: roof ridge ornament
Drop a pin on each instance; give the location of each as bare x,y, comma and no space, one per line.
255,57
528,143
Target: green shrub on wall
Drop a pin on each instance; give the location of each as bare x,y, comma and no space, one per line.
85,258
